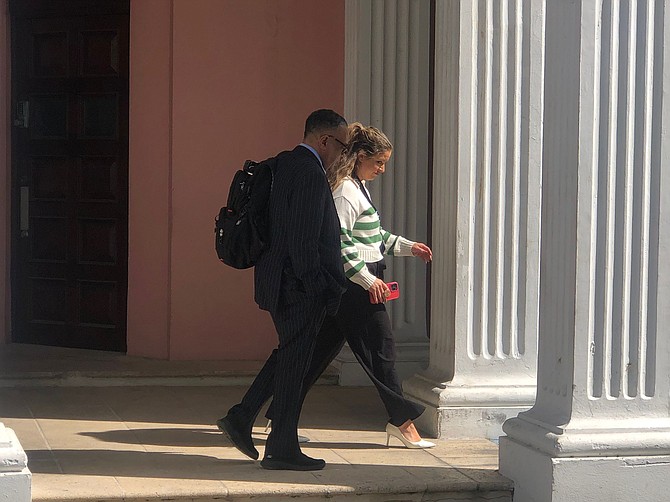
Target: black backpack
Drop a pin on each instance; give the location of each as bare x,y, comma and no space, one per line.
241,229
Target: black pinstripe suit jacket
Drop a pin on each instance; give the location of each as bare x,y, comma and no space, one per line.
303,260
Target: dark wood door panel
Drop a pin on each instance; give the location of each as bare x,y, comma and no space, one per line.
70,174
61,8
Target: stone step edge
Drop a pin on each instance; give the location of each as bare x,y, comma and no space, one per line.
502,494
77,379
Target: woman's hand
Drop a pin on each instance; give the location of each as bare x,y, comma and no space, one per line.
379,291
420,250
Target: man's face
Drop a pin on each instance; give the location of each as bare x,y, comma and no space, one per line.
334,144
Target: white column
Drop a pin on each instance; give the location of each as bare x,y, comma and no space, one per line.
387,85
14,474
486,198
600,429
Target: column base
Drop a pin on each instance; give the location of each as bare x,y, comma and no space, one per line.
15,478
540,477
411,358
464,423
592,437
460,409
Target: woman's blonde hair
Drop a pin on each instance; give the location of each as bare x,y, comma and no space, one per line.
369,141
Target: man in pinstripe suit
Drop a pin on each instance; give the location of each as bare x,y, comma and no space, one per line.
298,280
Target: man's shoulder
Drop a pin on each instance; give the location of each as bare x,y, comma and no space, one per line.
298,163
298,156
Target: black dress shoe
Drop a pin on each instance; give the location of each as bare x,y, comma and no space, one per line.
240,438
300,462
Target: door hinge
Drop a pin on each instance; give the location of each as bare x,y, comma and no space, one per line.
22,114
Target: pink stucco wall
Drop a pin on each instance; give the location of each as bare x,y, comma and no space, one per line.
149,178
213,82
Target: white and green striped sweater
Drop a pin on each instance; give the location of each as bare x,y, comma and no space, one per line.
361,234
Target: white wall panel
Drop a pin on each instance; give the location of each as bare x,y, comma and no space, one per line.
386,85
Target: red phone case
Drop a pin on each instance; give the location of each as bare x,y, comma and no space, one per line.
394,289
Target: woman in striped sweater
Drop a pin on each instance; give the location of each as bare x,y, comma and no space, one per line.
362,315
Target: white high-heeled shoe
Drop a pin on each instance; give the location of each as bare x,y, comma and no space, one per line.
392,430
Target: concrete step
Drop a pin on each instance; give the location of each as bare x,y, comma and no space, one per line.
23,365
213,377
334,493
136,443
105,427
232,478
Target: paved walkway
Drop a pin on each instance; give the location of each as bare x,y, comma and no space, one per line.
144,443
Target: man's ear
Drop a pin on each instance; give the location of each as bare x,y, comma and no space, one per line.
322,142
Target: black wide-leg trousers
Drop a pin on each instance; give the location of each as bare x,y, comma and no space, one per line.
367,329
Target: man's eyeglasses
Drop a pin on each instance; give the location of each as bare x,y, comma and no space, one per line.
343,145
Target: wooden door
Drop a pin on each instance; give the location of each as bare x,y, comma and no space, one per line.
70,172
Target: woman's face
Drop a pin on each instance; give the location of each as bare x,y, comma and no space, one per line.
368,168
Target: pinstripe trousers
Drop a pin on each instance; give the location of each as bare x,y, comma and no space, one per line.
297,324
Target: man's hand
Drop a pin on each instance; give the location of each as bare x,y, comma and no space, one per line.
379,291
420,250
